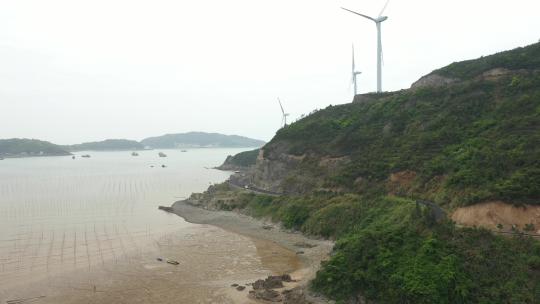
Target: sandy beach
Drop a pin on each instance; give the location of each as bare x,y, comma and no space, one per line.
310,252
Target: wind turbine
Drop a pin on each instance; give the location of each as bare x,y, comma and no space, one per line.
355,73
284,117
380,19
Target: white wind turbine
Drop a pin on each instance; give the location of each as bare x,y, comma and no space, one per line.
355,73
378,22
284,117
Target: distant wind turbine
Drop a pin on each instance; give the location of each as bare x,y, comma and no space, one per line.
355,73
378,22
284,117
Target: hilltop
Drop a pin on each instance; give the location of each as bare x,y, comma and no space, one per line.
200,139
22,147
471,140
379,174
107,145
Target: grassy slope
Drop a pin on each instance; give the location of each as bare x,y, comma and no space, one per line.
473,141
243,159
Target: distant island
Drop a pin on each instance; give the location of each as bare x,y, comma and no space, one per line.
23,147
200,140
107,145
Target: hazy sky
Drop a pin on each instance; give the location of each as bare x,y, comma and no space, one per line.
74,71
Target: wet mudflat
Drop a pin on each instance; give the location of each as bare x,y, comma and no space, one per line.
89,229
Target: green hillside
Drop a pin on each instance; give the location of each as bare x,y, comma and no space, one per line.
354,173
22,147
472,141
242,160
107,145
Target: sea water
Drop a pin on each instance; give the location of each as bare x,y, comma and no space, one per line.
59,213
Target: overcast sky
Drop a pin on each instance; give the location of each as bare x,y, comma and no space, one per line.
74,71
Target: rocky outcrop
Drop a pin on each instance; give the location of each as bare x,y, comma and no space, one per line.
229,166
499,216
271,169
433,81
364,98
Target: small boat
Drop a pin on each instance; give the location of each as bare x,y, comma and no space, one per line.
73,157
163,166
134,154
86,156
183,151
172,262
161,154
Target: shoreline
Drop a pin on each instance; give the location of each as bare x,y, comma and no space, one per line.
310,251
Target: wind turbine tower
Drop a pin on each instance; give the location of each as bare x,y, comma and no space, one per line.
380,19
284,117
355,74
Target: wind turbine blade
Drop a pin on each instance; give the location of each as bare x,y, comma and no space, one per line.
384,8
368,17
282,111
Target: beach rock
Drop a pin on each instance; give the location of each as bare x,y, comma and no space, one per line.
266,295
234,285
165,208
299,252
240,288
295,296
304,245
267,227
272,282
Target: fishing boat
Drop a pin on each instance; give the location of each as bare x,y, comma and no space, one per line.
161,154
86,155
183,151
134,154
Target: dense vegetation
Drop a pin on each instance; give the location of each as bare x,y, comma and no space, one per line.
107,145
18,147
391,250
200,139
472,141
475,140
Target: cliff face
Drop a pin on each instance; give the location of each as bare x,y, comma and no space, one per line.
276,170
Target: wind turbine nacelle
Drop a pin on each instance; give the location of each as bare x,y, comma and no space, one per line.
381,19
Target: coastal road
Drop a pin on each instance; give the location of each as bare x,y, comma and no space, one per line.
237,185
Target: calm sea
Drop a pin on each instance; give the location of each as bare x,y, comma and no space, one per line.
62,213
